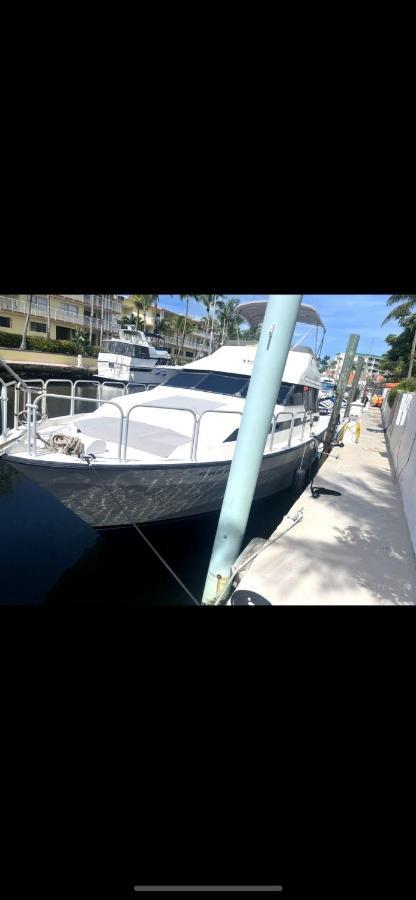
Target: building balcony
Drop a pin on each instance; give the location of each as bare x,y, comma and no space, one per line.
39,310
110,304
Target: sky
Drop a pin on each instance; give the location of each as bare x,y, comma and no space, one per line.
342,314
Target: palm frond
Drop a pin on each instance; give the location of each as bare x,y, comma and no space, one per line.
403,309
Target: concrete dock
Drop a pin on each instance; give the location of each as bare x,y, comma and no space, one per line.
352,547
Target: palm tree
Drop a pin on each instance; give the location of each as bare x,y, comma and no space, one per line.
128,320
187,330
210,303
186,298
164,327
405,304
143,303
176,326
228,318
155,301
24,335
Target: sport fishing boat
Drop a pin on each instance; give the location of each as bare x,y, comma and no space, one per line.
132,358
165,455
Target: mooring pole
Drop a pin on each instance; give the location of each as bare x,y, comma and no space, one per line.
274,345
342,386
354,386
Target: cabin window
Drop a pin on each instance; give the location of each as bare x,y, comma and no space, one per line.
298,395
290,394
141,352
215,382
310,396
186,379
224,384
134,350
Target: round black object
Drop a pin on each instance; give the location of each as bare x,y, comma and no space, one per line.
248,598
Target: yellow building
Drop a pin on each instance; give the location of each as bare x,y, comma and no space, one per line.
58,316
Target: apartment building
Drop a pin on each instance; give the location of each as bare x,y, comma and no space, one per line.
59,315
371,364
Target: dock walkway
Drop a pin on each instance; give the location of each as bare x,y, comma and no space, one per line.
352,547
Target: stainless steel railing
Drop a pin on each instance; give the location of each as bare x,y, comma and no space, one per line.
29,387
122,442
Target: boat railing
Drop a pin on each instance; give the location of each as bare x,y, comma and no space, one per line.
24,390
122,442
207,412
185,409
4,399
33,411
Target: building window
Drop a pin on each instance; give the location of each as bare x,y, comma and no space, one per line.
39,303
5,322
38,326
69,309
189,353
63,334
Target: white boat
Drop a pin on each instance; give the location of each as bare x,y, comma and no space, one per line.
165,455
132,358
328,388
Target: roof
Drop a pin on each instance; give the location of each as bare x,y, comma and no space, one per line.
254,313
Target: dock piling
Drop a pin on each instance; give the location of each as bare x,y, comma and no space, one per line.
274,345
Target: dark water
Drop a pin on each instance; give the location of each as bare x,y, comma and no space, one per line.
48,555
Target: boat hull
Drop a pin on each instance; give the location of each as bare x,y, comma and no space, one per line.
108,496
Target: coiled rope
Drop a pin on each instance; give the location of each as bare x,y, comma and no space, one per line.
64,443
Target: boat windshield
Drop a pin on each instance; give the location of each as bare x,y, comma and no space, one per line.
214,382
231,385
128,349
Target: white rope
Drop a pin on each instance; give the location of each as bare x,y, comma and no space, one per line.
167,566
294,521
156,552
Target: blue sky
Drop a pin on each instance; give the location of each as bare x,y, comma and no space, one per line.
342,315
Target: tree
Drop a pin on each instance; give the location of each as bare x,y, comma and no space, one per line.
143,303
186,298
228,319
252,333
79,340
209,301
395,361
176,328
404,305
324,363
24,335
164,328
155,301
128,320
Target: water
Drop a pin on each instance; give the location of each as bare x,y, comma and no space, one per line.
49,556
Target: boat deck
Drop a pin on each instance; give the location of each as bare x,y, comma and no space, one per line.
352,546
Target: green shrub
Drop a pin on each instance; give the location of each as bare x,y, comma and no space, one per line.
45,345
8,339
407,387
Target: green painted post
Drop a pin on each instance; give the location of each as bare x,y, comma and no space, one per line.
354,386
274,345
342,386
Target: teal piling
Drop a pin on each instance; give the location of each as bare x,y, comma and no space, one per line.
276,336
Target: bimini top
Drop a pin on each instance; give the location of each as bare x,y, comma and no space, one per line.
254,312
